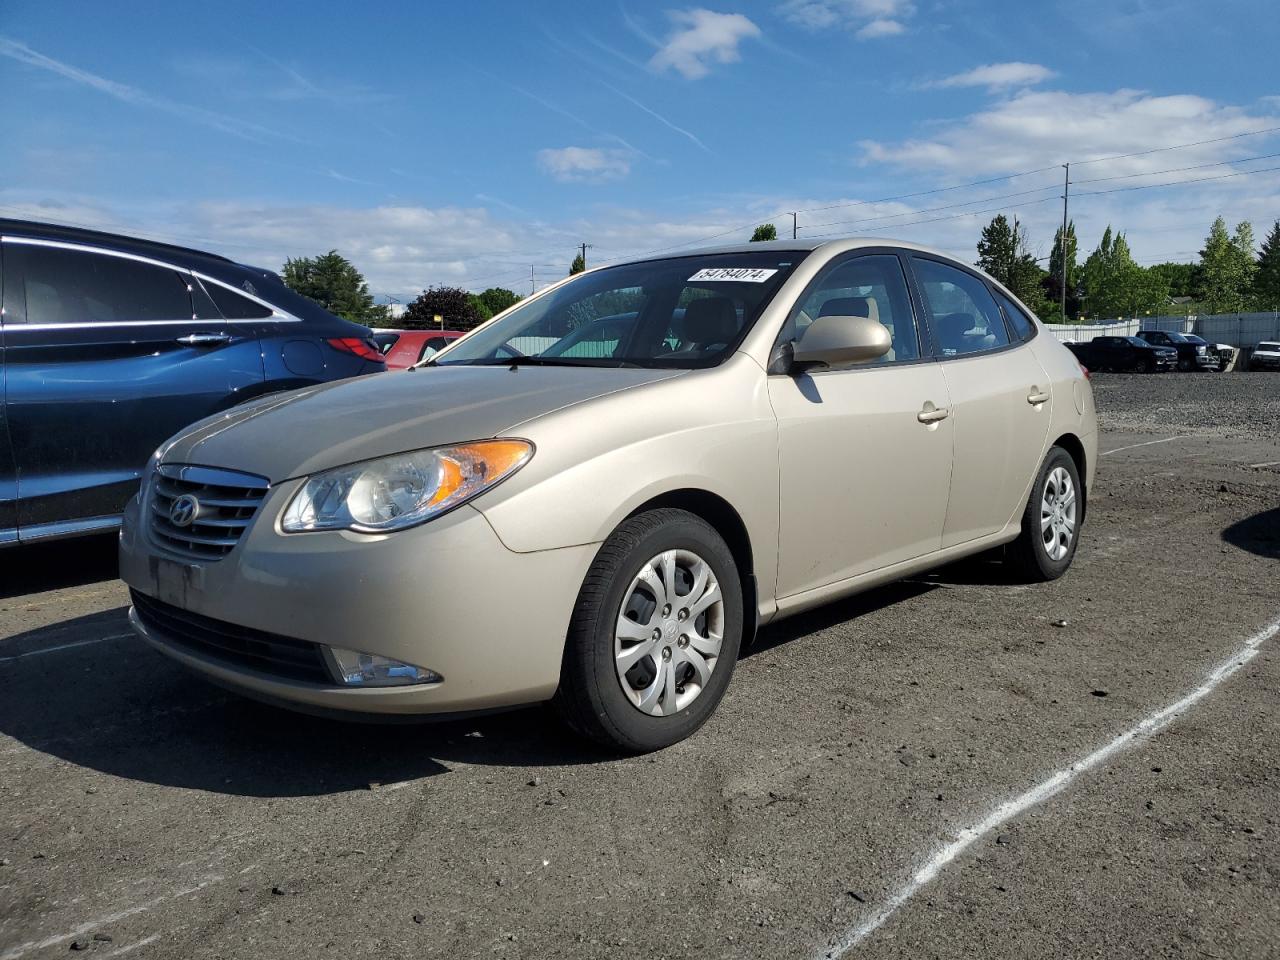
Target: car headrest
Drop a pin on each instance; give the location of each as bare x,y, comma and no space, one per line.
851,307
952,328
710,320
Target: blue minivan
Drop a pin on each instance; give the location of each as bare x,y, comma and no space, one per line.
110,345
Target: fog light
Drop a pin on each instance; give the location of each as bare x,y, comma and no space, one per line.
352,668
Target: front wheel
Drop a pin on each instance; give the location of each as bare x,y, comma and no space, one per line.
1051,521
655,633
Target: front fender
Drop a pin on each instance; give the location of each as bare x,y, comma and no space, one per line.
596,462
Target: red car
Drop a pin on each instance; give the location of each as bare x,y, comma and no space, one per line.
403,348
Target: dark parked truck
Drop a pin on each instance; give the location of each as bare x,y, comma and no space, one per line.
1193,354
1124,353
111,345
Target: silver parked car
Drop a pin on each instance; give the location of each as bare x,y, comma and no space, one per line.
597,497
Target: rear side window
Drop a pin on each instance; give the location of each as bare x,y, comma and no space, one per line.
433,346
233,306
1022,326
78,286
965,316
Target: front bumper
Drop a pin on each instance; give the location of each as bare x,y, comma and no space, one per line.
1207,361
1269,363
447,595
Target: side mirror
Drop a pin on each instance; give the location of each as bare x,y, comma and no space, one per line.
834,340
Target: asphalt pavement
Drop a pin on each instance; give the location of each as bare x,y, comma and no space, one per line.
951,766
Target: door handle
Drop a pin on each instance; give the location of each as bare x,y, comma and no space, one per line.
204,339
932,414
1036,397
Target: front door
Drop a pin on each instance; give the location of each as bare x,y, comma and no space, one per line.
864,449
108,357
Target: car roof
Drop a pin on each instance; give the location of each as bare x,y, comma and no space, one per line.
118,241
836,245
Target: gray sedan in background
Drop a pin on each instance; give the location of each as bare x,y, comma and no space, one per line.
598,496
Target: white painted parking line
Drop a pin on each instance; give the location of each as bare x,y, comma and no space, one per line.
1107,453
1269,463
134,946
24,948
64,646
1043,791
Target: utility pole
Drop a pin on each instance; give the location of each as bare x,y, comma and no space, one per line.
533,284
794,227
584,247
1066,191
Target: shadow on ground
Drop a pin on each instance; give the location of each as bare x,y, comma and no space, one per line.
1258,534
54,566
110,703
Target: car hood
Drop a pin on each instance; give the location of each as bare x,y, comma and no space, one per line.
300,432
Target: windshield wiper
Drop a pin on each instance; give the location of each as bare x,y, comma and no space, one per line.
535,360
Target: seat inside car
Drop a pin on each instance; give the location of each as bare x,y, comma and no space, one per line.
955,336
708,323
860,307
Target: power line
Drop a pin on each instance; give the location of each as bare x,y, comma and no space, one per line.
1197,166
1177,146
914,213
1175,183
954,216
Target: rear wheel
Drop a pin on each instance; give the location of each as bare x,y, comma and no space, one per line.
655,633
1051,520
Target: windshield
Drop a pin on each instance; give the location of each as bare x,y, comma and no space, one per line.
1192,338
680,312
1137,341
1177,337
1269,346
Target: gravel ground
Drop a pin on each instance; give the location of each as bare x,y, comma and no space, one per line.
141,805
1204,404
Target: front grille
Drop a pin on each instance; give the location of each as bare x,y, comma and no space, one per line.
264,652
226,502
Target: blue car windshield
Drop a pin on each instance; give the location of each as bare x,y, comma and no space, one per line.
680,312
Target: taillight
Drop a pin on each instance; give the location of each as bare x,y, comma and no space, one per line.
364,349
1085,371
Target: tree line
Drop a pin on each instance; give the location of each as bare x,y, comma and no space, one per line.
332,281
1231,274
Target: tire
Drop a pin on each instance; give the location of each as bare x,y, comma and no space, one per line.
1184,364
1148,365
1030,556
634,718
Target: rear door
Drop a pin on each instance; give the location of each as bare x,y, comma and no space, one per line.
8,475
108,356
1000,399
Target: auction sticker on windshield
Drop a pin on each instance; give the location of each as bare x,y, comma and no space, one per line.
740,274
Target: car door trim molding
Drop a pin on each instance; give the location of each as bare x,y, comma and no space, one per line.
277,315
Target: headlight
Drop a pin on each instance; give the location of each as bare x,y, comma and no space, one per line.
404,490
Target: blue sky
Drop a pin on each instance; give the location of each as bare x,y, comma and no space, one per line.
463,143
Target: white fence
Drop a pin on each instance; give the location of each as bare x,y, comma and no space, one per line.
1237,329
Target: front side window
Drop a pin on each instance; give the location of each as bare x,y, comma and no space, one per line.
872,286
965,317
79,286
682,312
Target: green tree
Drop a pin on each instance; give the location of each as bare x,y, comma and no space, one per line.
579,264
497,299
1003,252
1182,279
331,281
456,308
1114,285
766,231
1053,281
1266,282
1227,268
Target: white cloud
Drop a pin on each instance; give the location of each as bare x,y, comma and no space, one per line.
589,164
997,76
869,19
880,28
701,37
1046,128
